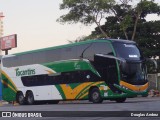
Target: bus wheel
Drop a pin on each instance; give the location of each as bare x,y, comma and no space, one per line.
20,98
120,100
95,96
29,98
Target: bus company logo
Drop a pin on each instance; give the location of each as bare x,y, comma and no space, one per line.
25,72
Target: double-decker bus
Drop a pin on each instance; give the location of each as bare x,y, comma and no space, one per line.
94,70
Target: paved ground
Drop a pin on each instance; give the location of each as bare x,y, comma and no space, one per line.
133,105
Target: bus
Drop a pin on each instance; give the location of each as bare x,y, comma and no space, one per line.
94,70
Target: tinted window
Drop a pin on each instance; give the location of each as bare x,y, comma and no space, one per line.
75,52
81,50
33,58
97,48
52,55
11,61
127,51
63,78
26,59
69,53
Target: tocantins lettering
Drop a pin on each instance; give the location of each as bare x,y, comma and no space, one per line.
25,72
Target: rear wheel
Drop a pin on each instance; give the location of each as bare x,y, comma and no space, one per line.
95,96
20,98
30,98
120,100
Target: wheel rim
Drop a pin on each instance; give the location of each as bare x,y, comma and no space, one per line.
30,99
95,96
21,98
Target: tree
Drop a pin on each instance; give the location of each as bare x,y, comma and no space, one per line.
86,12
128,15
122,24
79,39
148,38
119,22
143,8
123,14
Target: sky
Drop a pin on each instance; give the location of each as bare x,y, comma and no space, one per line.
34,22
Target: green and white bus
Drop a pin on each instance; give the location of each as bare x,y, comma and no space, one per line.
94,70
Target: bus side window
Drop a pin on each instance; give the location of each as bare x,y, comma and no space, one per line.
11,61
97,48
69,53
53,55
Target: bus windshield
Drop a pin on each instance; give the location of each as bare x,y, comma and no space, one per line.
133,70
127,51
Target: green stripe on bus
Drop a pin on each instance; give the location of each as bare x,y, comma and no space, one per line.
74,85
87,87
60,91
6,79
70,65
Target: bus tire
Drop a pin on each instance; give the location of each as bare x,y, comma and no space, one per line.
29,98
95,96
120,100
20,98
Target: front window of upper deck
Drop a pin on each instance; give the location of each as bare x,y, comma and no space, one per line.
127,51
133,70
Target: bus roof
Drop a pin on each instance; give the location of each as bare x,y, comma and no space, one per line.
78,43
122,41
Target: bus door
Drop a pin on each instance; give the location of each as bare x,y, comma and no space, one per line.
107,68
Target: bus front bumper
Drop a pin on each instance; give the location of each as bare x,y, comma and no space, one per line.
130,93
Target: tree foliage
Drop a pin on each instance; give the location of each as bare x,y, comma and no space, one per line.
122,21
122,25
143,8
86,11
93,11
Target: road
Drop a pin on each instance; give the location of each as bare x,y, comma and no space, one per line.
132,105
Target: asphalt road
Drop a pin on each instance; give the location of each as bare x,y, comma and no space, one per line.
133,106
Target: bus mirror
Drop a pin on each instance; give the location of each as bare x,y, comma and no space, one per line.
153,61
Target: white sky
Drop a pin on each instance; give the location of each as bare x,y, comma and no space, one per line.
34,22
